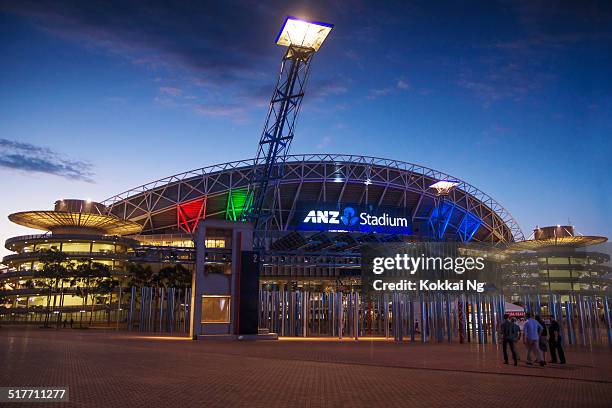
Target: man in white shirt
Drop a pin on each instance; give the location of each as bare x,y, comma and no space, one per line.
532,331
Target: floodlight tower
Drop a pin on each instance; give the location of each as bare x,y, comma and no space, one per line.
302,39
439,223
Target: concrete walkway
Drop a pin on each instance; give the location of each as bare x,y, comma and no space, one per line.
119,369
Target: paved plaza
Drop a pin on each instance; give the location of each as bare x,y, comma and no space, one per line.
120,369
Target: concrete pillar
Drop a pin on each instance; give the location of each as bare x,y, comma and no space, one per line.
197,282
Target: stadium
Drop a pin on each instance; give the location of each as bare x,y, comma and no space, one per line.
272,246
310,275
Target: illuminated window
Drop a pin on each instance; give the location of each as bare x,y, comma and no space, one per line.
103,248
560,286
555,273
216,309
75,247
39,247
215,243
181,243
558,261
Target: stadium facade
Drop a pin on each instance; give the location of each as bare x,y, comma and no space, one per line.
325,208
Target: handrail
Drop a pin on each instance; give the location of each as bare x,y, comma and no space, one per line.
83,237
35,254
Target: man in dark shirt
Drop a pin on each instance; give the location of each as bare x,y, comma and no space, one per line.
555,342
510,334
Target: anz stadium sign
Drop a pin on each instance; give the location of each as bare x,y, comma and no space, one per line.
353,218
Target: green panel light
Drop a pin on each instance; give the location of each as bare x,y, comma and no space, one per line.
236,204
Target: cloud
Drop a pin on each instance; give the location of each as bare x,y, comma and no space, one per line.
219,110
378,92
324,142
495,134
400,85
503,80
30,158
324,88
170,90
520,64
403,85
219,52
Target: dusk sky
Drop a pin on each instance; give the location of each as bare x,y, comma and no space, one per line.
515,97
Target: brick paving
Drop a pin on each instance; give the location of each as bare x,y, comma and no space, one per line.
119,369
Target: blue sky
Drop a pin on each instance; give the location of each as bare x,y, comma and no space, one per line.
511,96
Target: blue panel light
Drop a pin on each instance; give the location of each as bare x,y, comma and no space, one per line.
468,227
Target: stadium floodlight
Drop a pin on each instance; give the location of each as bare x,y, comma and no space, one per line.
443,187
303,39
442,214
303,33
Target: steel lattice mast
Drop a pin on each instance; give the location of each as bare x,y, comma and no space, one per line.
303,39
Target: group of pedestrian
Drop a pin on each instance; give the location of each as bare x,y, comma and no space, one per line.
538,340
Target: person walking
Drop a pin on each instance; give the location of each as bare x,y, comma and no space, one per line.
520,335
543,342
532,331
510,334
71,322
555,342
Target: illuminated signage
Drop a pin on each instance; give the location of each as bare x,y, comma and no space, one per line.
351,219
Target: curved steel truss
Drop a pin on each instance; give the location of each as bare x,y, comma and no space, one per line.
316,178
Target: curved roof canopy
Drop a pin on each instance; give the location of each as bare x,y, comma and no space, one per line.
554,242
165,205
48,220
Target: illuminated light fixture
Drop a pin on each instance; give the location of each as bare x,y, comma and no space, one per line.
367,182
303,33
443,187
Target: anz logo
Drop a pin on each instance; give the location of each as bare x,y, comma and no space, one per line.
350,218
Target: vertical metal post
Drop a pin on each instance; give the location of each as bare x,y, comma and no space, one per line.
581,317
340,315
449,335
460,318
570,323
132,300
356,317
607,319
494,317
161,307
385,312
593,319
411,314
423,319
561,319
283,310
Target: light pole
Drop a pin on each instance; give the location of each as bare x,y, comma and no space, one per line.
302,39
